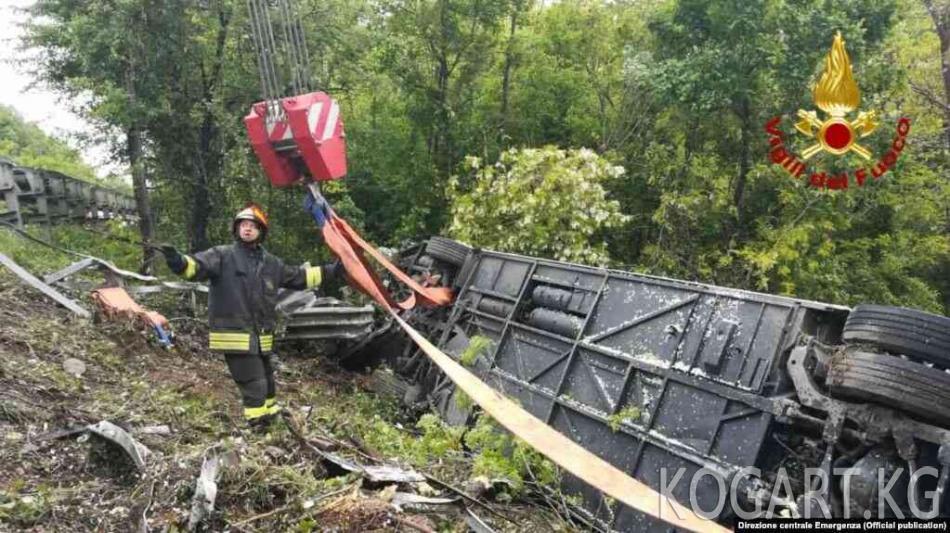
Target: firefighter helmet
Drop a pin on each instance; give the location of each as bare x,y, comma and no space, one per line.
251,212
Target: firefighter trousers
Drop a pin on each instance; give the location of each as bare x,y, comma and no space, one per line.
254,375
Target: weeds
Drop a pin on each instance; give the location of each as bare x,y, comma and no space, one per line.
627,414
24,509
114,246
499,455
135,384
477,346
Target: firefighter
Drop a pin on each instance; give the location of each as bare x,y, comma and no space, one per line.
244,279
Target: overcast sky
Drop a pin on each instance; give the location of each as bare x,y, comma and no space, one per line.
37,105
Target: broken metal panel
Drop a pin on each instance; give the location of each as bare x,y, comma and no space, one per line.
123,273
43,287
413,502
136,451
169,285
64,273
206,491
309,317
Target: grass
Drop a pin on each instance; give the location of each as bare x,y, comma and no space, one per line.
106,240
133,383
477,346
627,414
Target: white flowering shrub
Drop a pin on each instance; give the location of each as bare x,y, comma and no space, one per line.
544,202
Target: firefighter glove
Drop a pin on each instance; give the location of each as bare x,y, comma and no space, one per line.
318,208
176,263
333,271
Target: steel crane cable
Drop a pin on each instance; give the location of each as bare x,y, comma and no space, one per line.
290,46
298,28
263,35
272,46
262,56
298,56
303,56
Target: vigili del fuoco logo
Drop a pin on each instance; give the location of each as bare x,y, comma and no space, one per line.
837,95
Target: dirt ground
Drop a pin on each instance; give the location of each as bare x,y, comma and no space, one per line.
182,406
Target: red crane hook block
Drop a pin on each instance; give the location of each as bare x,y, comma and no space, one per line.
298,138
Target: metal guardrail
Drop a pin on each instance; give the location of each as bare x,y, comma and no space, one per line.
312,318
37,195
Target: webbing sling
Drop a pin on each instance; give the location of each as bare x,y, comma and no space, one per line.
610,480
349,247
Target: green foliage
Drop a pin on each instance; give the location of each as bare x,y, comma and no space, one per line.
499,455
675,92
24,509
477,346
108,241
435,441
463,401
629,413
27,145
546,202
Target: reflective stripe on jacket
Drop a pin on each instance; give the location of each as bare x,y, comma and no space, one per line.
243,283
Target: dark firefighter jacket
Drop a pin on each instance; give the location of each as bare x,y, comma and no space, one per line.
243,293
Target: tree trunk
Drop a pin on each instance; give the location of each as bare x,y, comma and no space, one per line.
745,138
208,157
442,143
200,207
506,71
139,182
941,18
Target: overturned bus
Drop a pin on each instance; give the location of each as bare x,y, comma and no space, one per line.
735,403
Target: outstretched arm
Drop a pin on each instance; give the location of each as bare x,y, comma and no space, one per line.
198,267
308,277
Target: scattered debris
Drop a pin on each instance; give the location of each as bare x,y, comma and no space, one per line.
115,302
112,433
325,318
183,286
206,490
60,275
162,429
415,502
43,287
178,403
382,474
475,523
74,367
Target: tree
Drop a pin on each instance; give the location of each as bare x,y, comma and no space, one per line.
81,54
436,52
940,14
27,145
545,202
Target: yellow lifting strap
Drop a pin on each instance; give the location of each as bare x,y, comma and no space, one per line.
555,446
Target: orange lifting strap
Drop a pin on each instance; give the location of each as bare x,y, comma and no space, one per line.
346,244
